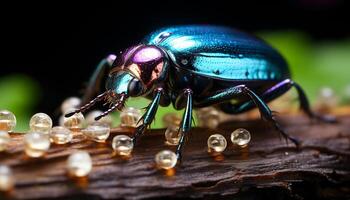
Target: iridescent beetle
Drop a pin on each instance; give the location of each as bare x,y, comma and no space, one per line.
192,67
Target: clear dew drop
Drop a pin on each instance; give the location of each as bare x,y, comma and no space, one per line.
79,164
60,135
130,116
122,145
7,121
36,144
172,135
217,143
208,117
40,122
97,132
75,121
70,103
165,159
240,137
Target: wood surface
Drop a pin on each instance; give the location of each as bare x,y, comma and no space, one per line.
267,169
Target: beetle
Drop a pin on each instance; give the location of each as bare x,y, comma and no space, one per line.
193,66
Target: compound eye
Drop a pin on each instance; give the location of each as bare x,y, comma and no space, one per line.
135,87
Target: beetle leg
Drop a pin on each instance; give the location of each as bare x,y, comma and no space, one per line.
267,115
239,90
88,105
305,106
275,91
149,115
97,79
186,122
284,86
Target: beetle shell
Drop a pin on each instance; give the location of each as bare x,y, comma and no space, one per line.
220,53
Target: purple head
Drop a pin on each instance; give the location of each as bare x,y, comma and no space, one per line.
134,73
137,70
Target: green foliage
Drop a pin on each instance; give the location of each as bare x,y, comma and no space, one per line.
19,94
314,65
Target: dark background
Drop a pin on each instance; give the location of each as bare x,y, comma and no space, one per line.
59,44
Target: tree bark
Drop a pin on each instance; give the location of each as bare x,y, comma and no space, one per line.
268,169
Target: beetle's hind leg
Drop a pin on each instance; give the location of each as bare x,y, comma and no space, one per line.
267,114
284,86
305,106
236,91
274,92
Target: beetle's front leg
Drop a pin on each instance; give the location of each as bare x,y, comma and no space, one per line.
186,121
149,115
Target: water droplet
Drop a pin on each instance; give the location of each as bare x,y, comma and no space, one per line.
130,116
79,164
36,144
7,120
70,103
75,121
216,143
41,123
240,137
97,132
60,135
122,145
208,117
172,135
165,159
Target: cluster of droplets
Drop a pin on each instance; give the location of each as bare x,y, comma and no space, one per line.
42,134
239,138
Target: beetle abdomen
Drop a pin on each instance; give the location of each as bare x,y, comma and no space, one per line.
220,53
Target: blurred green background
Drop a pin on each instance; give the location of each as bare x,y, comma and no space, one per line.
313,64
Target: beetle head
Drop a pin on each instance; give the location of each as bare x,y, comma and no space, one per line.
136,71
